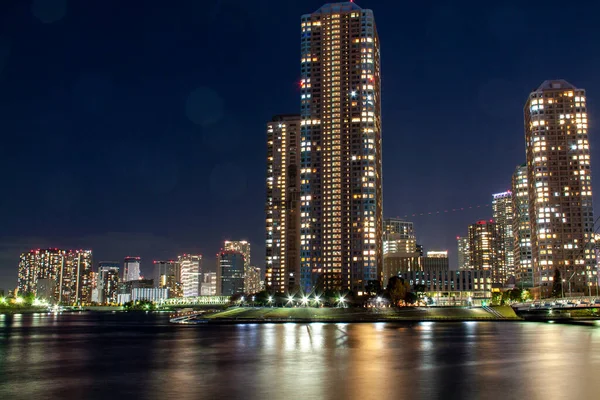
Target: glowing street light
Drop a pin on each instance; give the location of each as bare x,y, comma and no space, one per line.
270,299
304,300
2,300
19,300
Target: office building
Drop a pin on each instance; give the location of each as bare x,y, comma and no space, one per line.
107,282
436,259
341,199
191,267
168,275
131,269
243,247
502,208
66,275
485,241
452,288
521,229
464,254
560,186
230,273
282,210
398,236
208,286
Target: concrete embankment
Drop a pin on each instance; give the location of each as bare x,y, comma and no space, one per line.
241,315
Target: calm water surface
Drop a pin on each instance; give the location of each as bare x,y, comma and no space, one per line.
113,356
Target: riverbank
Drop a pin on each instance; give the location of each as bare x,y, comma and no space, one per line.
242,315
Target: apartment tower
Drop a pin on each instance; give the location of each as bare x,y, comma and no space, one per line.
502,207
560,187
340,146
521,228
282,209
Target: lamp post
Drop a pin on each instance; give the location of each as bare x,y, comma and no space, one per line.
562,288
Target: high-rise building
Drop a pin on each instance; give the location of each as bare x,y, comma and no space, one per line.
190,266
560,186
208,286
485,241
230,273
131,269
341,198
282,209
65,274
167,274
464,253
108,282
243,247
398,236
502,208
521,228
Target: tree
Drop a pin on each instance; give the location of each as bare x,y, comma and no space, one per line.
397,289
556,285
515,295
496,298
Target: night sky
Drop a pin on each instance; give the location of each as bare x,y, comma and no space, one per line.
138,127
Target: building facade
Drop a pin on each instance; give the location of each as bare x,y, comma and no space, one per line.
243,247
464,253
191,267
485,241
560,186
108,282
447,287
502,208
282,210
168,275
521,228
66,275
398,236
131,269
252,281
230,273
208,286
341,195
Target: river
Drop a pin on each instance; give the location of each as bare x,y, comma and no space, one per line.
120,355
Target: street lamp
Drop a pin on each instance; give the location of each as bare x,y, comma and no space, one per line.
270,301
304,300
562,287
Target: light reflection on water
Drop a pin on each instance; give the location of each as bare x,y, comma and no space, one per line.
142,356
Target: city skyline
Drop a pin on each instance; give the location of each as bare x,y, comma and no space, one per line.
61,220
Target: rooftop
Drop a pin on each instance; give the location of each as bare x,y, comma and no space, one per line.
555,84
337,7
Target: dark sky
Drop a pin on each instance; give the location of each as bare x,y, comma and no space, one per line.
138,127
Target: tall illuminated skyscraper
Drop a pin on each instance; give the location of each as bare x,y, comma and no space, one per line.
243,247
485,243
108,282
502,207
521,228
464,253
230,272
341,199
190,266
560,186
282,210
